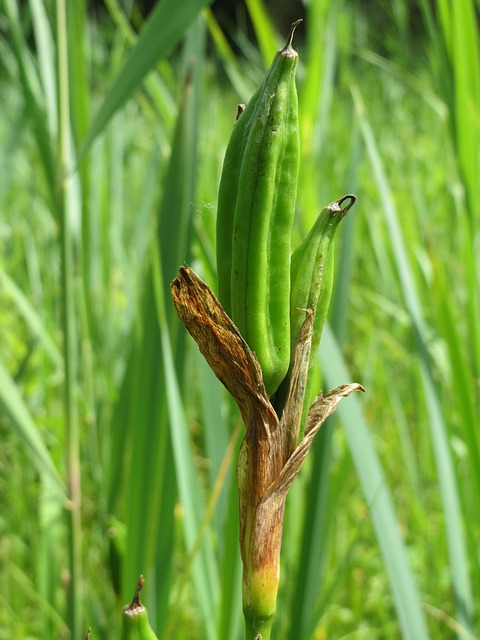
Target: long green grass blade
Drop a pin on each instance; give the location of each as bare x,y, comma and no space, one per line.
231,622
460,28
51,519
462,383
67,210
78,62
204,566
159,90
25,427
46,61
163,31
315,102
312,562
33,93
267,38
439,435
31,317
377,496
225,53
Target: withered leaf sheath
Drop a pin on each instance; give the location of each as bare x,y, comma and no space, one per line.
256,206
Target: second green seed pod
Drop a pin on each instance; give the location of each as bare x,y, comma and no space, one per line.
312,269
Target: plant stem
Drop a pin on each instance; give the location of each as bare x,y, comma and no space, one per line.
257,628
64,206
268,461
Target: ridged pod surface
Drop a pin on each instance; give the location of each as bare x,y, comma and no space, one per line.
312,269
135,623
256,207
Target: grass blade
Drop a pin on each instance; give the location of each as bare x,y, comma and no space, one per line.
31,317
225,53
33,95
164,29
26,429
204,567
439,435
46,61
267,37
67,209
377,496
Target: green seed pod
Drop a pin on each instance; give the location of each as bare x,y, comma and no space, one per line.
135,624
256,206
312,269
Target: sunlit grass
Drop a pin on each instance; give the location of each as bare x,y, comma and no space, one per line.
395,126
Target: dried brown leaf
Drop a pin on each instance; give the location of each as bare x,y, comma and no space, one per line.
220,342
322,407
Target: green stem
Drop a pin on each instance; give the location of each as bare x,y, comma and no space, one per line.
257,628
64,204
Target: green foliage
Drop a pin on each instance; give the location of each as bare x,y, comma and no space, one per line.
118,444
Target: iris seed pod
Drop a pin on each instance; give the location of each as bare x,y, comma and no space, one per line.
135,624
256,206
312,270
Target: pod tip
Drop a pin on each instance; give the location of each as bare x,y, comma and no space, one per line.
135,606
288,49
351,198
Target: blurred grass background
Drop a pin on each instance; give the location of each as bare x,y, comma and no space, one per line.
118,444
